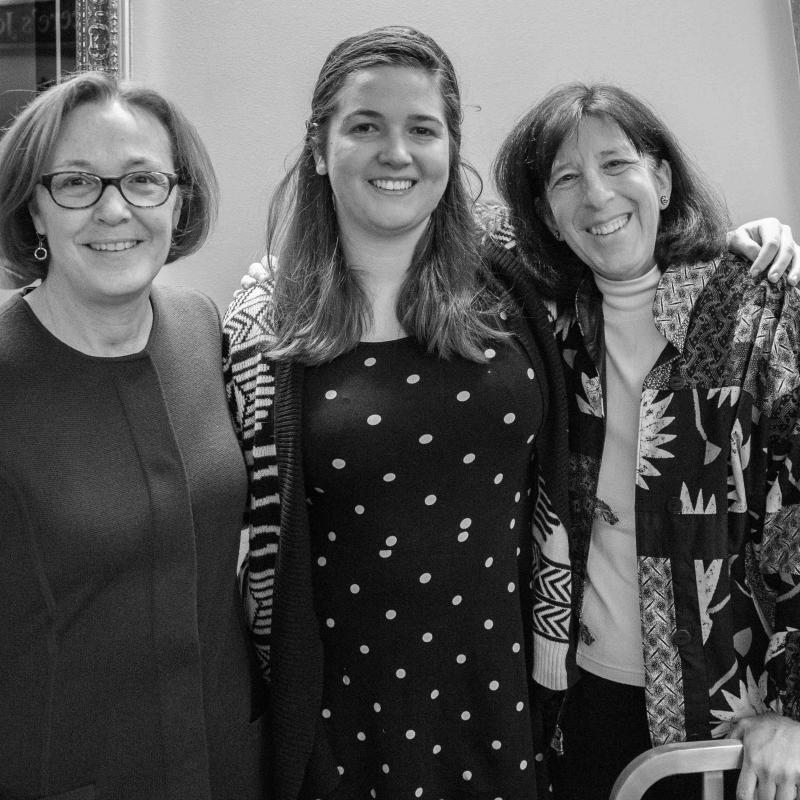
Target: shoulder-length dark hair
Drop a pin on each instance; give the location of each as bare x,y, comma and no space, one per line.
320,308
27,145
691,229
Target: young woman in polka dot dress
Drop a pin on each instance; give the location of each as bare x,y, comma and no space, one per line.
400,408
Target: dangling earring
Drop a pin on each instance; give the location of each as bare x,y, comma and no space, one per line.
321,168
664,201
40,253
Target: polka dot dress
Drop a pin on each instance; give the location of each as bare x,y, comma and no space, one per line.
418,476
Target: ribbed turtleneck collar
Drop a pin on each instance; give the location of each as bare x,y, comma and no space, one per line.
632,296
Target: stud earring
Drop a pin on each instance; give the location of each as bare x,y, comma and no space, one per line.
557,235
321,168
664,201
40,253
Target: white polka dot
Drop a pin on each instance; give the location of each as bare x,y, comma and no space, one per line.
401,673
384,553
330,394
425,577
361,736
489,352
530,373
498,478
465,523
391,541
329,622
466,775
461,658
509,418
322,561
520,705
503,315
496,745
377,707
389,477
374,794
369,362
346,680
426,438
494,685
489,561
511,586
434,694
530,438
469,458
355,588
331,536
427,636
410,734
515,647
488,624
341,770
412,379
523,764
391,614
430,499
385,768
373,419
318,490
364,649
437,748
418,793
465,715
517,497
359,509
463,536
462,397
512,524
326,713
539,757
456,600
338,463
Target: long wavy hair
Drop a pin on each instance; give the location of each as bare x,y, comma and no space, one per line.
27,145
448,300
691,229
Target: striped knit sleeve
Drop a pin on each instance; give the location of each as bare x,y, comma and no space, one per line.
250,386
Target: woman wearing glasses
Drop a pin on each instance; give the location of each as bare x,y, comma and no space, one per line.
124,664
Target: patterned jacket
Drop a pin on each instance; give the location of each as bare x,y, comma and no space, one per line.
266,401
717,491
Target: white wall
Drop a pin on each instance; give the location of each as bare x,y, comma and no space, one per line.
723,73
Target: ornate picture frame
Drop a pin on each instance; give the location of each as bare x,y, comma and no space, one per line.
102,34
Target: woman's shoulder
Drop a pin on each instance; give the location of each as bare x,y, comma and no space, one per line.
248,320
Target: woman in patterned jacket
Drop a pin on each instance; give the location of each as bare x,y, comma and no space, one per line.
683,392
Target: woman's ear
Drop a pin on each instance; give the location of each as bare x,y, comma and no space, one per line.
543,212
38,222
663,176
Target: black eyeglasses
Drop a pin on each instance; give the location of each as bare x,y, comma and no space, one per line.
144,189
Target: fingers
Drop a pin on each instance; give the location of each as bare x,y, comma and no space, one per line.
746,786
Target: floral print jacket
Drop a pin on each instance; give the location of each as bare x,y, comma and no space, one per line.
717,489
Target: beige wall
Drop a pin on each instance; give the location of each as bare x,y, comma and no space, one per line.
723,73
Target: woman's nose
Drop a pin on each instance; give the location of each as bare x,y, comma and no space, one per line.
394,151
597,190
112,207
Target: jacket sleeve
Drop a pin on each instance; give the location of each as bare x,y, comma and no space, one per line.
779,549
249,384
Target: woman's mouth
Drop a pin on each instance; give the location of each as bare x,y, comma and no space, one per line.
392,184
612,226
114,247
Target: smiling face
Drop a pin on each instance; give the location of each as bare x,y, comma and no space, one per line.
112,250
604,199
387,153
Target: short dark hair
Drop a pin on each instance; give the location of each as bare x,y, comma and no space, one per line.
322,307
691,229
29,141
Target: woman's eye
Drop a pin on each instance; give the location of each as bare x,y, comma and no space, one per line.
420,130
564,179
363,127
616,165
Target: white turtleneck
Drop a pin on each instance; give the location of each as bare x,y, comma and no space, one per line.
610,613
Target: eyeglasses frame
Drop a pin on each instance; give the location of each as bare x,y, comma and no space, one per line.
173,179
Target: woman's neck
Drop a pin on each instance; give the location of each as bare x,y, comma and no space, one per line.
381,267
94,329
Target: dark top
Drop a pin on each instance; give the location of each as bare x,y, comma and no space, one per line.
418,473
124,667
